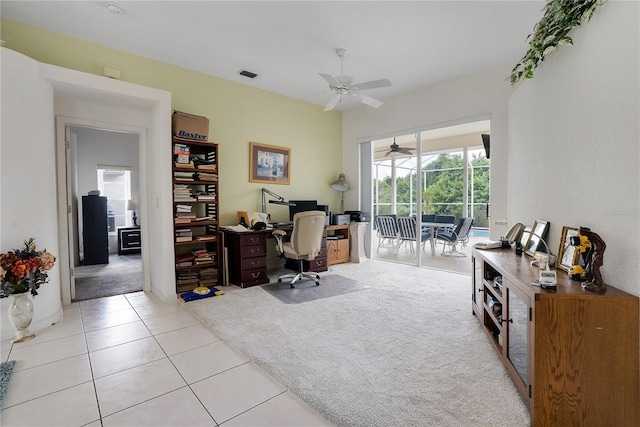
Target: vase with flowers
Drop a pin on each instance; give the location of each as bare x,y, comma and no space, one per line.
22,271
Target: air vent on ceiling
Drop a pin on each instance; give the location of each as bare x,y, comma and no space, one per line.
248,74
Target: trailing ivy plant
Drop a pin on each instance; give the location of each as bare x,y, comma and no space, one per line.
560,16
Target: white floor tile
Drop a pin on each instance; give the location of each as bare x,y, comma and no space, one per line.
45,379
115,335
186,339
48,351
139,299
125,356
128,388
154,310
235,391
71,311
106,320
202,362
170,322
51,410
283,410
104,305
66,328
178,408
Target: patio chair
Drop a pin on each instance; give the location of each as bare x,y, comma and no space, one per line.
407,229
451,237
387,230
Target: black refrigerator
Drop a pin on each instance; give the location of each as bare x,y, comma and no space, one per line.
95,235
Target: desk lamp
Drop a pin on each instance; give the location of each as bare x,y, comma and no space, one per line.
132,205
279,200
341,185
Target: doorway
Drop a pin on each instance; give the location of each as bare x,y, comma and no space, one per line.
426,173
102,164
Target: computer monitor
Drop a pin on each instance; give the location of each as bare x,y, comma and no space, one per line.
302,206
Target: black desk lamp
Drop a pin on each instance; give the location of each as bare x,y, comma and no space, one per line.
279,200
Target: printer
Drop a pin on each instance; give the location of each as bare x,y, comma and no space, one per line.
358,216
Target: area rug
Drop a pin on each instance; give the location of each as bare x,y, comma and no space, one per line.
405,352
306,290
6,369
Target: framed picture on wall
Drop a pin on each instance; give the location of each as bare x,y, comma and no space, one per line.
568,255
269,164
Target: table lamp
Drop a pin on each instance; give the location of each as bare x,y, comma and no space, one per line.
341,185
132,205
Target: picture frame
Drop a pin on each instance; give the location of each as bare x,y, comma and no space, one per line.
525,237
568,255
539,231
269,164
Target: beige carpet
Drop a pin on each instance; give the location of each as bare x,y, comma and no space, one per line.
405,352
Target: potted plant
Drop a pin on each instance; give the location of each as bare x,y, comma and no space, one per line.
23,271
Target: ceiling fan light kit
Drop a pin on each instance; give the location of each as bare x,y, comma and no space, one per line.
343,85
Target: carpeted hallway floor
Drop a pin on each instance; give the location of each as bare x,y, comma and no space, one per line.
123,274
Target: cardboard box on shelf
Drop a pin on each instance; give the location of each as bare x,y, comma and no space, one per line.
189,126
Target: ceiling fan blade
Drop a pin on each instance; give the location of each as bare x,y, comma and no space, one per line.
371,85
331,80
331,104
371,102
388,152
405,150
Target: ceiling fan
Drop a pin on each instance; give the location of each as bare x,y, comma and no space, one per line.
395,148
343,86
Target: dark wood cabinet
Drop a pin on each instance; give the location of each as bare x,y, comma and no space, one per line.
129,240
572,354
95,235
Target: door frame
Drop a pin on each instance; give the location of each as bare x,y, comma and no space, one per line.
67,241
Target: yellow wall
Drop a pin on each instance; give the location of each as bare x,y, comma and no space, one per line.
237,115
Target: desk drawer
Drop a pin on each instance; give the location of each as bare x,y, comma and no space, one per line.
253,263
250,239
253,251
317,264
257,275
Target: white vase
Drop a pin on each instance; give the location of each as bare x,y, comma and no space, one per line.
20,316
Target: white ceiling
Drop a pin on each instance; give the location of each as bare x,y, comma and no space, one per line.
411,43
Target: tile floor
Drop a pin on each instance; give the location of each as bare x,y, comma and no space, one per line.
131,360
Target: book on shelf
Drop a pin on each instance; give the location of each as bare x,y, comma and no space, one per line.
183,208
186,165
182,239
205,176
199,252
182,220
202,218
205,237
181,152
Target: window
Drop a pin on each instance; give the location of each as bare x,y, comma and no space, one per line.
114,182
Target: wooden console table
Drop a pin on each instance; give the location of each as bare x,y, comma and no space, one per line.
572,354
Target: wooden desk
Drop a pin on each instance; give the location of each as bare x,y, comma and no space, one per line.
246,257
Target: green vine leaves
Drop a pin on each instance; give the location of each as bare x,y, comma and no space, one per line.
560,16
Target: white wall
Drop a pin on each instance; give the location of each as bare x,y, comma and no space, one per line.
574,138
466,99
28,186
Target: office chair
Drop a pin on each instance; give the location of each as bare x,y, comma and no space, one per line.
305,244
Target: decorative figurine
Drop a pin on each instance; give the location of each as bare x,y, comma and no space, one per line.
592,249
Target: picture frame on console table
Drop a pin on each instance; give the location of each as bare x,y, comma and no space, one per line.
269,164
568,255
540,228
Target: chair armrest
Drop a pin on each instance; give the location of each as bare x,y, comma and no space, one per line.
279,235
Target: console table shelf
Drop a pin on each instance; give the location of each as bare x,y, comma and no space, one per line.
572,354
